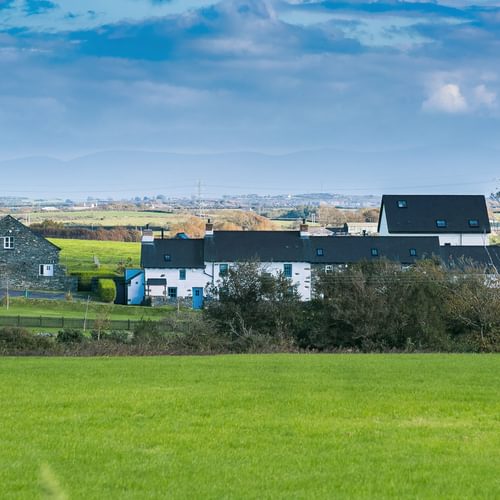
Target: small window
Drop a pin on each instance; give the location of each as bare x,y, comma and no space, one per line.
402,204
167,257
320,252
441,223
8,242
46,270
473,223
374,252
413,252
182,274
223,269
288,270
172,292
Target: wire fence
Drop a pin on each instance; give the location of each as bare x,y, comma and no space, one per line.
62,322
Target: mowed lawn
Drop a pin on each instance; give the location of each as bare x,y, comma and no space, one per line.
276,426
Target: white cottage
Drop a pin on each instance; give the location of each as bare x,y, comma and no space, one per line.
458,220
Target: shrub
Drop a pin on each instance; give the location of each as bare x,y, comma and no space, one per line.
107,290
19,339
70,336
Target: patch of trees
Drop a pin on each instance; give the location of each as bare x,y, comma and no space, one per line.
52,229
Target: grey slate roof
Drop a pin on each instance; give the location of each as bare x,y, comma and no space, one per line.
422,212
351,249
182,254
266,246
462,256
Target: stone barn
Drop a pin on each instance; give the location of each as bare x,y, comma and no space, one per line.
29,261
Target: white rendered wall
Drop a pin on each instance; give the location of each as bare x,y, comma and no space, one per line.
301,274
135,290
454,239
194,278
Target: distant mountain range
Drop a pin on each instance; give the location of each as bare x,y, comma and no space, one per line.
120,174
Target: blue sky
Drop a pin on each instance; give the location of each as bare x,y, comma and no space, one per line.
270,76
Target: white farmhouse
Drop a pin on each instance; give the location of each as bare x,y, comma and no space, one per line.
458,220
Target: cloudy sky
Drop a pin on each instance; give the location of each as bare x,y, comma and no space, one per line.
268,76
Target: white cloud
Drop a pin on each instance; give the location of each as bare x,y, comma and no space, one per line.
484,97
446,98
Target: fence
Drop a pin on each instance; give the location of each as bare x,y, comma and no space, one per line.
62,322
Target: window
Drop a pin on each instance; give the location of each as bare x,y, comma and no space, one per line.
320,252
182,274
223,269
473,223
402,204
8,242
374,252
329,268
167,257
288,270
46,270
172,292
441,223
413,252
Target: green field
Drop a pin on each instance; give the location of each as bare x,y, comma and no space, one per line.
288,426
78,255
61,308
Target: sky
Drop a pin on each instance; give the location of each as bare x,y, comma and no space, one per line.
275,77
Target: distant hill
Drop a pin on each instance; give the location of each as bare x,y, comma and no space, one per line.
126,173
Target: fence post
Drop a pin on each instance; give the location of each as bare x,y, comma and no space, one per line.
129,324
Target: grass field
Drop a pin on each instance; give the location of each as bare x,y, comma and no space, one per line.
289,426
78,255
60,308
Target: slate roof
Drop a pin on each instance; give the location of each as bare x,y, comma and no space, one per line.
351,249
422,211
463,256
8,220
181,254
266,246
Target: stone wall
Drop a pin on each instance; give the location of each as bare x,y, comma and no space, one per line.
20,265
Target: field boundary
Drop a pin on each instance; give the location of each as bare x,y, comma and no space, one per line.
63,322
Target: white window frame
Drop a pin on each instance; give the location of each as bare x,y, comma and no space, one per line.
8,242
46,270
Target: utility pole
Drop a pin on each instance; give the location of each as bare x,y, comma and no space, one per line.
200,207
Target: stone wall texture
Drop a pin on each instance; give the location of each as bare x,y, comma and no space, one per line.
20,266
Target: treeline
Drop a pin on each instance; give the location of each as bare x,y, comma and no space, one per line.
52,229
370,307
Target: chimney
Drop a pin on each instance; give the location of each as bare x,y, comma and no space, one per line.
304,229
148,236
209,229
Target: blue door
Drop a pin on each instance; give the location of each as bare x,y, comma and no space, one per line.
197,298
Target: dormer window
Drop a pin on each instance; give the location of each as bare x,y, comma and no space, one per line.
402,204
473,223
441,223
8,242
167,257
374,252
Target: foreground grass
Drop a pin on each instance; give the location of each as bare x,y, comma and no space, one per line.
252,427
66,309
78,255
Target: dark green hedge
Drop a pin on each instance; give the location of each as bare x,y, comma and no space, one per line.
107,290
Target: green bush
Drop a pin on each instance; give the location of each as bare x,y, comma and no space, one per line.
86,279
70,336
106,289
19,339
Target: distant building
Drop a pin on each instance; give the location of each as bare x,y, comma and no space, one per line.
29,261
456,219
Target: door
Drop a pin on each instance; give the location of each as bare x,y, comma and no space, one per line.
197,298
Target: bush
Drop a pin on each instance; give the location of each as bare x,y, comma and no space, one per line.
19,339
70,336
106,289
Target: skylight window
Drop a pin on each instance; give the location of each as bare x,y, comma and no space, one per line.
473,223
167,257
413,252
402,204
441,223
320,252
374,252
